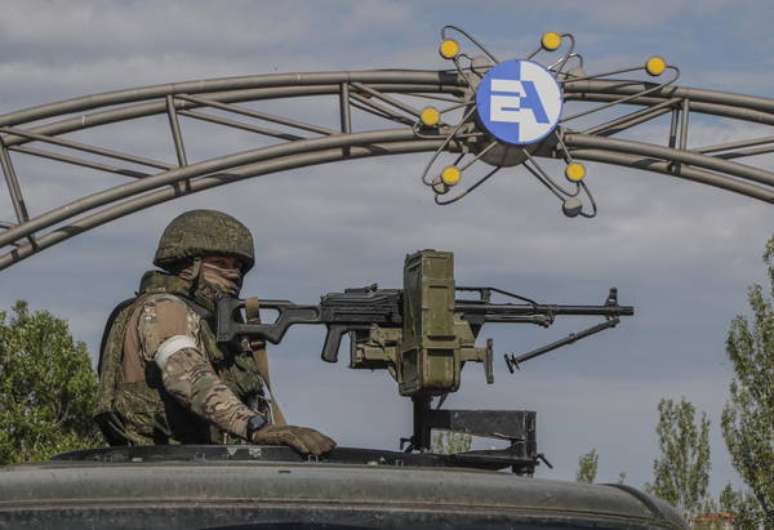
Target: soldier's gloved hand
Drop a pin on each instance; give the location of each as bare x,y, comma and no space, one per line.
302,439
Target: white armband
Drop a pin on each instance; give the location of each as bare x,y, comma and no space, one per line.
171,346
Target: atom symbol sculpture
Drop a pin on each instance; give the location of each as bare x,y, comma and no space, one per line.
512,109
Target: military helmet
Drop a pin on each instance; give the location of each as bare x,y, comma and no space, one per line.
204,232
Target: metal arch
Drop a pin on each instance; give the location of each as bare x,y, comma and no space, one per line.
386,95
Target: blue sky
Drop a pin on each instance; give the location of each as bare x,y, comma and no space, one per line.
682,253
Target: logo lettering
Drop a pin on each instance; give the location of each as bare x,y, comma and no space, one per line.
519,102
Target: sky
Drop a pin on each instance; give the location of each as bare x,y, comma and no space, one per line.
683,254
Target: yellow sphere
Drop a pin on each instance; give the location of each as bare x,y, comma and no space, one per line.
551,40
655,65
449,49
575,171
430,116
451,175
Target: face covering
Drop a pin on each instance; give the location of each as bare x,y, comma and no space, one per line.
214,282
223,281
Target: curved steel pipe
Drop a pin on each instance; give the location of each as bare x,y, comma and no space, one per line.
223,163
303,146
681,171
145,109
57,235
699,95
424,77
673,155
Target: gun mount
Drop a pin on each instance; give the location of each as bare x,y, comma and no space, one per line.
423,335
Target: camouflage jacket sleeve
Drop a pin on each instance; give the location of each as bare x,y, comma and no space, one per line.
169,336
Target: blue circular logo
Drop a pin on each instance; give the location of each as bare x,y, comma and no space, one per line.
519,102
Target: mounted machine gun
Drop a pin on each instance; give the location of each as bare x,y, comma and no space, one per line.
423,335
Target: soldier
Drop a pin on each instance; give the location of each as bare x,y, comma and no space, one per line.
163,377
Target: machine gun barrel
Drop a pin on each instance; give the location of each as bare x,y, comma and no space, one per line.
481,311
475,308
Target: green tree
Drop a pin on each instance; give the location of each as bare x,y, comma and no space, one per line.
748,417
587,467
449,442
743,506
47,388
682,471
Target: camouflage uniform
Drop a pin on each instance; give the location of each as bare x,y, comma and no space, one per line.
163,377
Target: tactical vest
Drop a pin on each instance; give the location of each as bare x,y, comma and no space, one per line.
143,413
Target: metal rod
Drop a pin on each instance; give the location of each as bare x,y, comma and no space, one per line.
78,162
478,156
734,145
387,99
345,113
684,124
746,152
471,38
346,116
573,337
544,182
546,176
240,125
110,153
563,60
14,190
626,99
646,117
437,98
472,188
177,135
383,111
605,74
259,115
673,128
637,117
373,111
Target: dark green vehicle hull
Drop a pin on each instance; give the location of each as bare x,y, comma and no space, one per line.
262,494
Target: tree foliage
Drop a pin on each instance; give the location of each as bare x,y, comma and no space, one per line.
743,506
682,471
449,442
748,417
47,388
587,467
